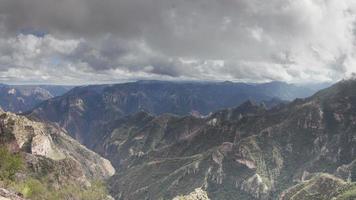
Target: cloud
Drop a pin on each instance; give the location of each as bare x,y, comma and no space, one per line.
86,41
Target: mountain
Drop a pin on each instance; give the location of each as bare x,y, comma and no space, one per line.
84,109
292,151
40,161
21,98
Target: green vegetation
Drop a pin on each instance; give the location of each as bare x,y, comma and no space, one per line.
96,192
348,194
32,188
10,164
42,188
320,187
35,189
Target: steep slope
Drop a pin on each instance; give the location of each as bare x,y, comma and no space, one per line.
83,109
21,98
243,153
55,166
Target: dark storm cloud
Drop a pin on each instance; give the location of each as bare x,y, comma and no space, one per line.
81,17
252,40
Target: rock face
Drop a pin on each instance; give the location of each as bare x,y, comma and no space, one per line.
247,152
21,98
85,109
255,186
7,195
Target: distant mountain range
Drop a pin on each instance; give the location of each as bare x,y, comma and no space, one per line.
21,98
82,109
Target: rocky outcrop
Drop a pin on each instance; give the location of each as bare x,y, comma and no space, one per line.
256,187
7,195
197,194
40,161
41,139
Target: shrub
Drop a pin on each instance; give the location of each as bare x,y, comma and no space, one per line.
95,192
33,189
10,164
40,189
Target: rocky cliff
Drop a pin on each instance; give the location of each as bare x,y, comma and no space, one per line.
53,165
197,194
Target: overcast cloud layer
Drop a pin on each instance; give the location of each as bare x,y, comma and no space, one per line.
100,41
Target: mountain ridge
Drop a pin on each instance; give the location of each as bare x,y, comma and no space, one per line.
22,98
83,108
252,154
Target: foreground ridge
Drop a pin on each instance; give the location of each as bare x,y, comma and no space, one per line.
41,161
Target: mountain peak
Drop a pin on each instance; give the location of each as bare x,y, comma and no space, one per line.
250,106
248,103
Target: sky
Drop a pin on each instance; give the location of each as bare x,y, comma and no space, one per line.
106,41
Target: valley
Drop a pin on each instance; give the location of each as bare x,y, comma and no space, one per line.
251,151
